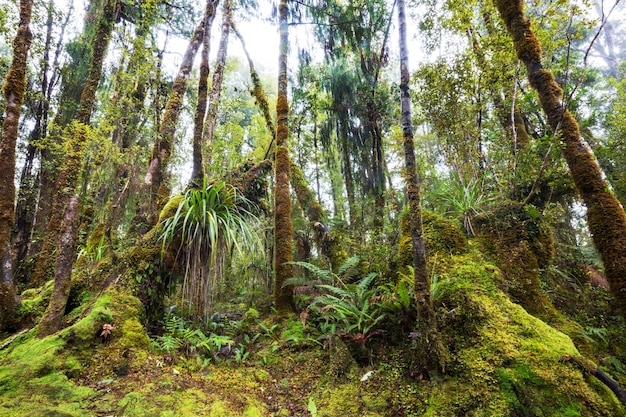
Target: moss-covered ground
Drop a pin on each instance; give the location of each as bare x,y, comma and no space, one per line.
503,362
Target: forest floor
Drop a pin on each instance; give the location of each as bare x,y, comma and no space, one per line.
501,361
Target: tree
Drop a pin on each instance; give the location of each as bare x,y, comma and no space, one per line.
218,76
429,340
605,215
63,226
155,180
197,173
14,89
283,229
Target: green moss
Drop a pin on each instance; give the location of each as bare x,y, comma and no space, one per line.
170,207
506,361
441,237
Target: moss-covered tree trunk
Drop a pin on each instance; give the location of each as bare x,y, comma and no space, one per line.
197,173
155,180
283,229
73,75
52,319
14,89
70,171
218,76
26,204
605,215
327,243
433,350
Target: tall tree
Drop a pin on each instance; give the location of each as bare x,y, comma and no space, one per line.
14,89
197,173
155,180
62,228
605,215
283,229
218,76
433,348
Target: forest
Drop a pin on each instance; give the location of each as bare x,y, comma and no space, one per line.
312,208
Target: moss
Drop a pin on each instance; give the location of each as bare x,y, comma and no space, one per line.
522,245
505,361
606,217
283,232
441,236
170,207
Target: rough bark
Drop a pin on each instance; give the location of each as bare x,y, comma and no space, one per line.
14,89
52,318
218,76
77,139
605,215
197,173
283,229
155,180
428,334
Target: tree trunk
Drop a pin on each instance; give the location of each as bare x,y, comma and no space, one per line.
14,90
51,320
197,173
77,139
218,76
326,242
605,215
283,229
433,350
155,180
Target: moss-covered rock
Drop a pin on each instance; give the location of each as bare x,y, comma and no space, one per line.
441,236
506,361
521,245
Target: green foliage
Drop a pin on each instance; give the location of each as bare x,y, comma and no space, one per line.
180,337
462,200
207,224
351,310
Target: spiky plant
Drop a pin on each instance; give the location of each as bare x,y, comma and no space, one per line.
463,199
208,223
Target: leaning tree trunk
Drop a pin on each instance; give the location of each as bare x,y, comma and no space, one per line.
283,228
197,173
605,215
155,180
62,233
433,349
218,76
14,90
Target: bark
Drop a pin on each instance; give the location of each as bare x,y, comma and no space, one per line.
428,334
155,180
77,139
605,215
218,76
197,173
51,320
14,89
26,205
283,229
